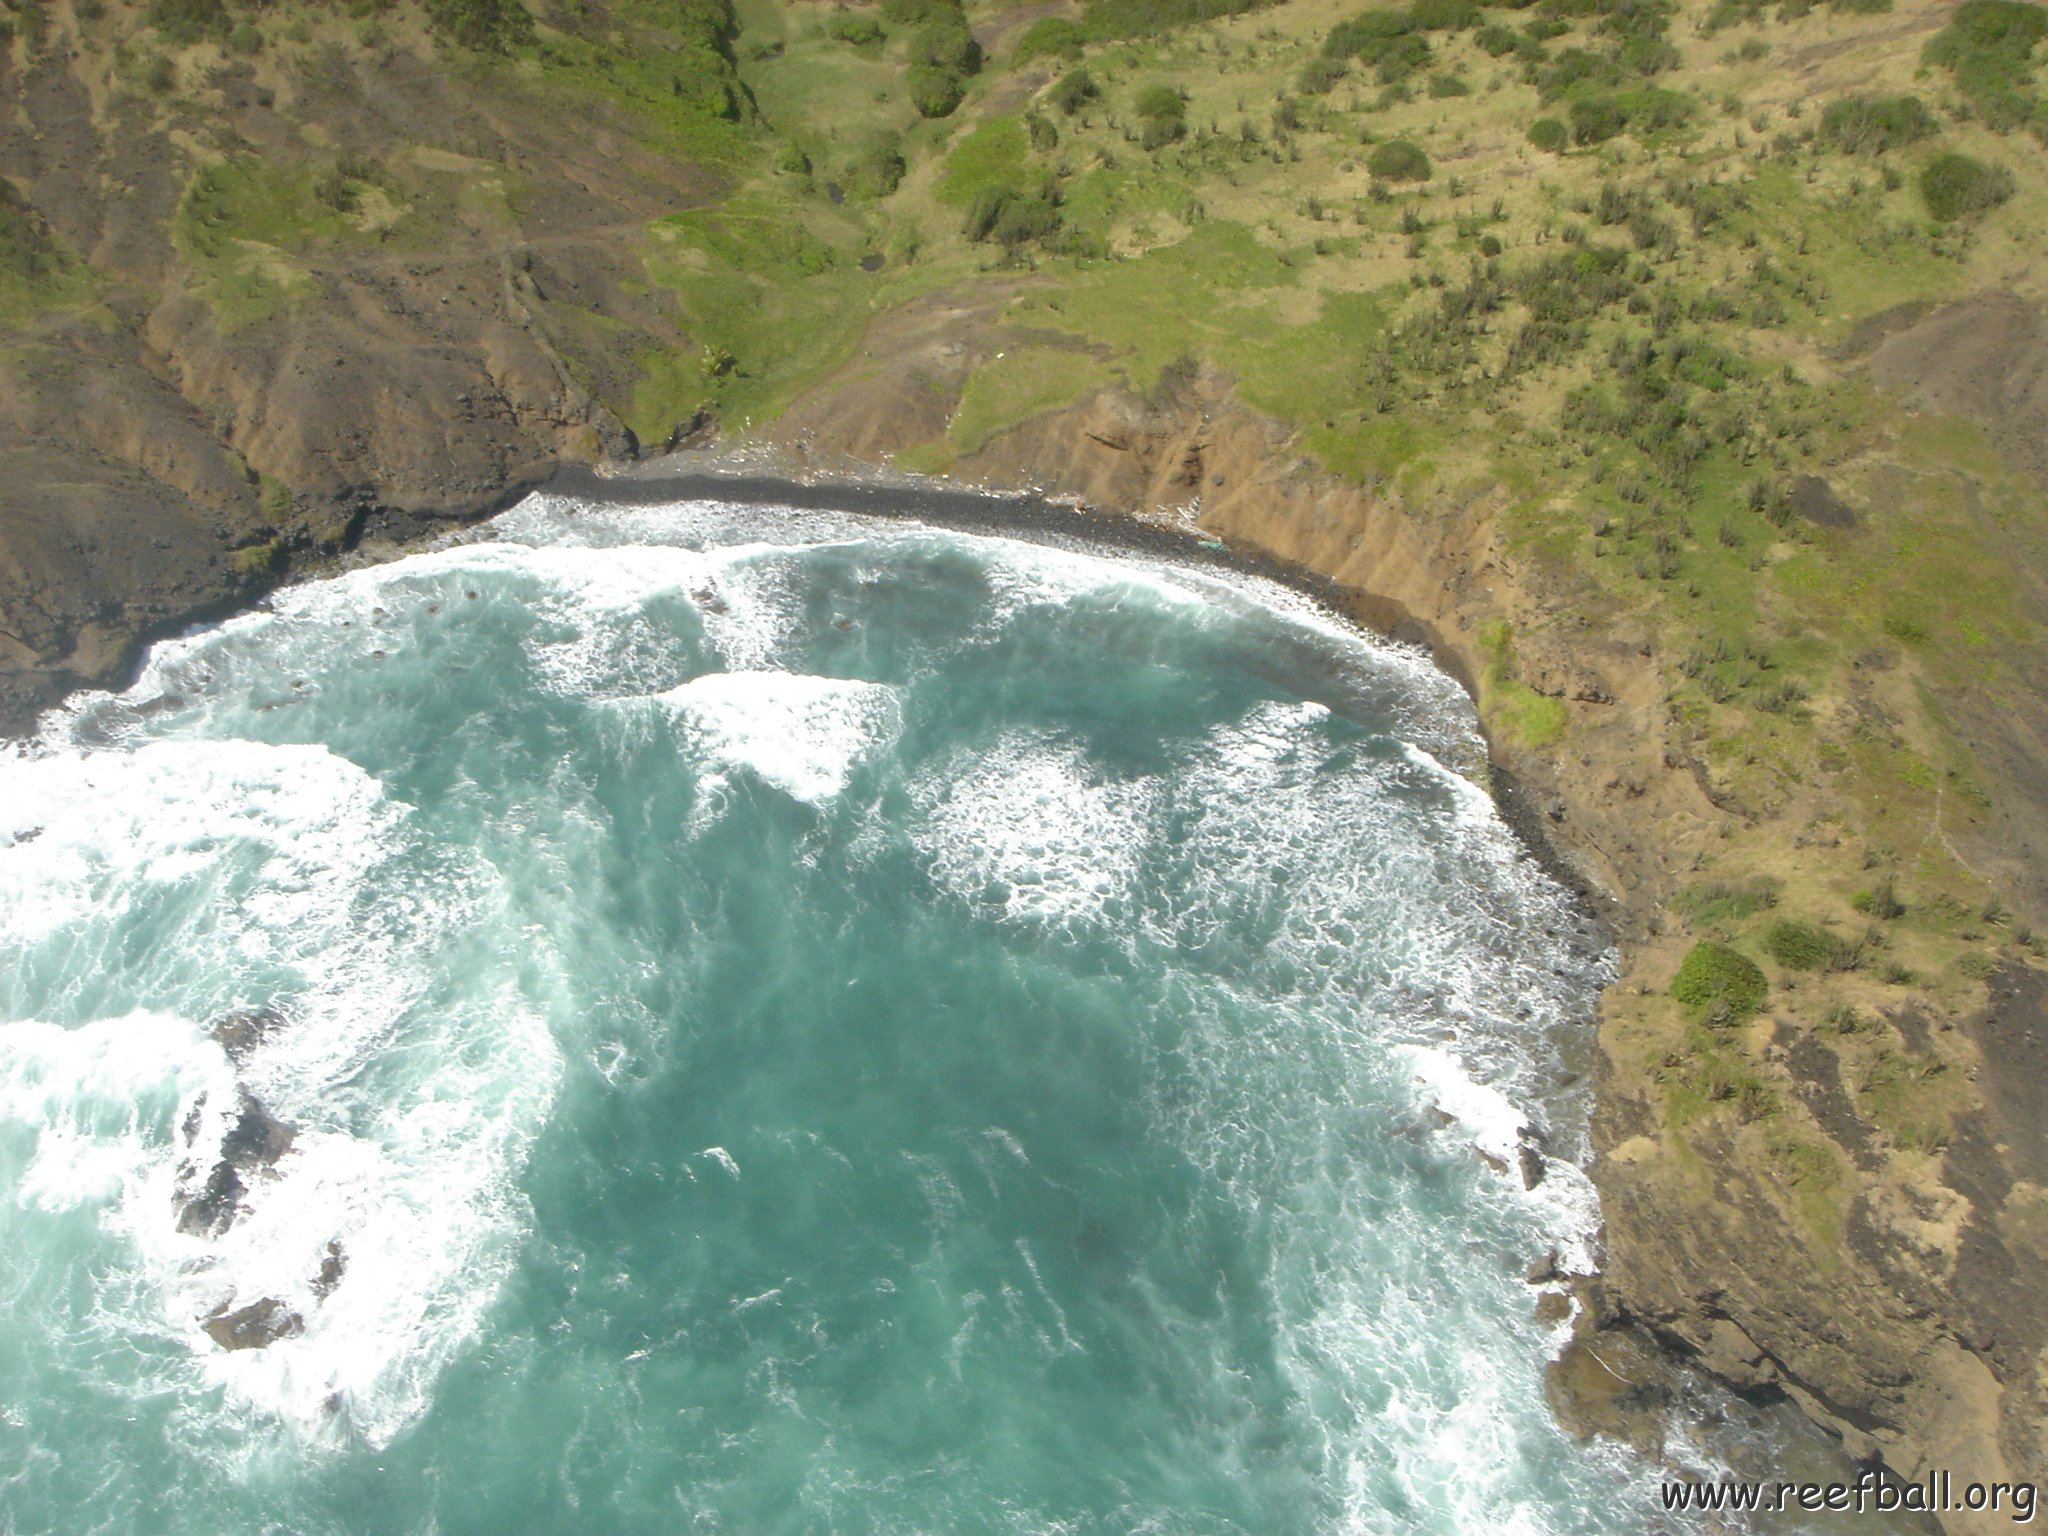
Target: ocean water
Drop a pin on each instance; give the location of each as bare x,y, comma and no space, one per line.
785,1022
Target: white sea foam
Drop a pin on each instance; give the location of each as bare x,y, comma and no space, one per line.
804,735
1027,830
254,862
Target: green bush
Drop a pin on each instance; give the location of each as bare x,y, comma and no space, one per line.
1443,15
1724,901
1714,975
1870,125
1073,90
1549,135
1319,74
1804,947
1880,900
1575,68
1957,185
1596,119
1446,84
1010,218
256,561
1386,40
1989,46
1164,116
1398,160
935,90
857,28
487,26
1049,35
947,44
1104,20
876,171
1160,101
189,21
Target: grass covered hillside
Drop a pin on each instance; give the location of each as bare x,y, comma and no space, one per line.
1689,355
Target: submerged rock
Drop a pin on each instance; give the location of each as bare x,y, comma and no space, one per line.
1615,1384
256,1326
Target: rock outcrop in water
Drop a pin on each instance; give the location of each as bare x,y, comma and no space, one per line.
207,1205
241,1032
256,1326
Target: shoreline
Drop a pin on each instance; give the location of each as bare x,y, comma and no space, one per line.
1032,514
1585,1402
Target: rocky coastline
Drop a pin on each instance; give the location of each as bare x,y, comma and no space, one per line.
1619,816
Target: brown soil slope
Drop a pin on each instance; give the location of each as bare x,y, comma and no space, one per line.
175,442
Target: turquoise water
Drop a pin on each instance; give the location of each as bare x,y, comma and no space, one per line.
789,1023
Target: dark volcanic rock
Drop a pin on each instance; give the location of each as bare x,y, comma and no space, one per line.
256,1326
241,1032
332,1268
253,1142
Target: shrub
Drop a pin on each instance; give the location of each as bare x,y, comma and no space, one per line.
245,39
1596,119
188,21
1398,160
1719,901
334,188
1870,125
1047,35
1443,15
1956,185
935,90
1713,974
792,161
1010,218
1497,41
1038,127
1549,135
857,28
1140,18
948,44
1387,40
1160,101
1073,90
256,561
1807,948
877,171
487,26
1880,900
1319,74
1989,45
1575,67
1443,85
1163,114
